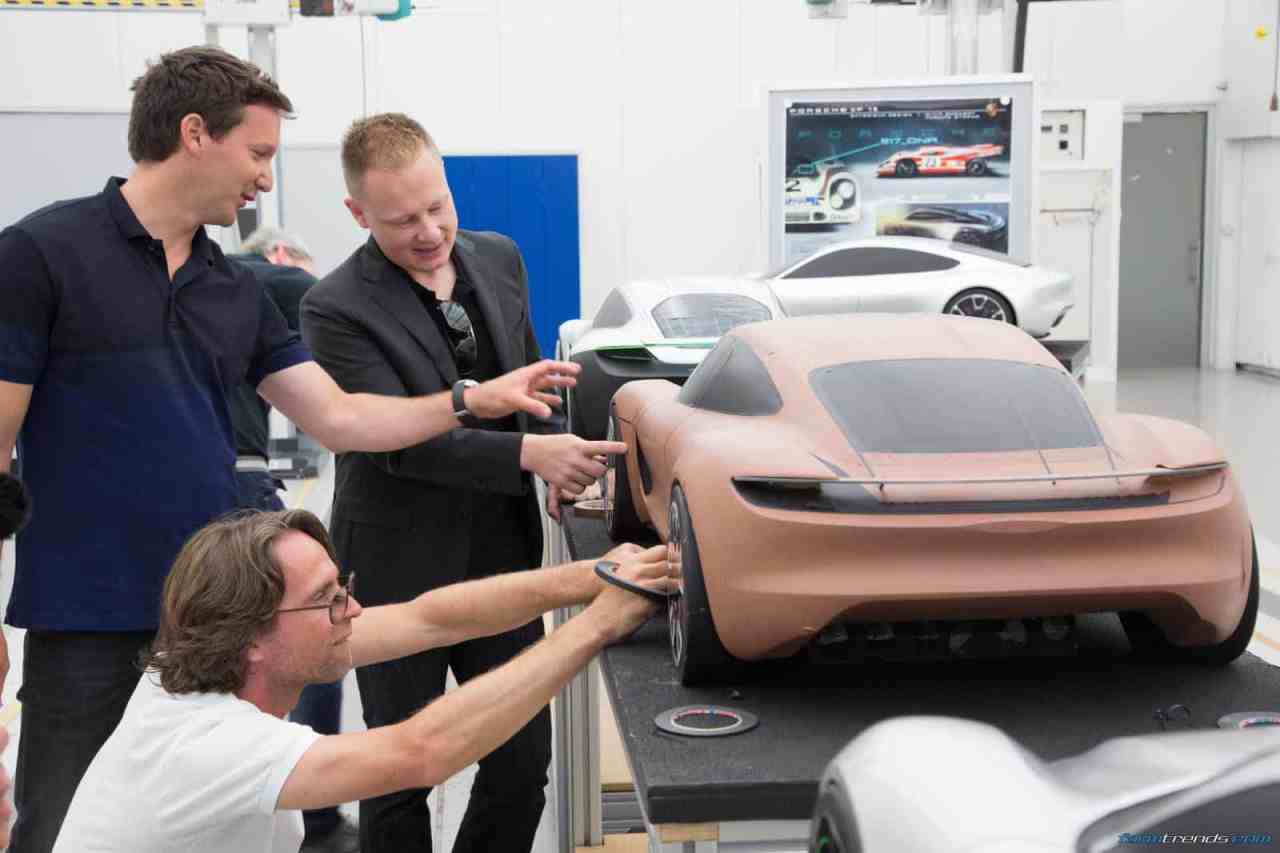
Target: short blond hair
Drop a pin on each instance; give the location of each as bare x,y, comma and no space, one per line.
382,141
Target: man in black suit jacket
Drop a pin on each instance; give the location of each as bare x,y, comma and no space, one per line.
425,307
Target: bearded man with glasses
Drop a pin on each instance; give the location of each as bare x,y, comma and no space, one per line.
254,610
425,306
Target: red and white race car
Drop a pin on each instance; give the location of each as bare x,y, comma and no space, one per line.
940,160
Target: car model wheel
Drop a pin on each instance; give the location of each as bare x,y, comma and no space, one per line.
976,168
843,194
1149,641
980,302
695,647
905,168
620,517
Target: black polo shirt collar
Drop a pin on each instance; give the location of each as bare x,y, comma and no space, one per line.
132,229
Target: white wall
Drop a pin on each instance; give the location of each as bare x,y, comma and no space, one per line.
1257,312
660,98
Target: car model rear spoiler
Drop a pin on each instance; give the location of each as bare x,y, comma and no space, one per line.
851,495
1157,472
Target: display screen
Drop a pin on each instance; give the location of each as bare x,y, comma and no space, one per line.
920,168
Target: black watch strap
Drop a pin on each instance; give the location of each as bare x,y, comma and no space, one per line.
460,410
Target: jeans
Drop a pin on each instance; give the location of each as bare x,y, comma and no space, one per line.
75,687
320,705
507,798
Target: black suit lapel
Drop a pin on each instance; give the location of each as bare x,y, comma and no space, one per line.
477,272
387,284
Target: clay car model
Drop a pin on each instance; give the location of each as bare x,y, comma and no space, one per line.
974,227
821,193
940,160
827,476
985,793
658,329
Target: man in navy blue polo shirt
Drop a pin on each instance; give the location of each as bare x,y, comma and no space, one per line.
122,331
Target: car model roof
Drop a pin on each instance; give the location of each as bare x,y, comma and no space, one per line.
808,343
957,251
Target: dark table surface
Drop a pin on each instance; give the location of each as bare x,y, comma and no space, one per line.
1055,707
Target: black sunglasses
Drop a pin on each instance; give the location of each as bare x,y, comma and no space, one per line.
337,607
462,336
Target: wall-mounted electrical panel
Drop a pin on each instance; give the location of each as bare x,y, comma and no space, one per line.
1061,135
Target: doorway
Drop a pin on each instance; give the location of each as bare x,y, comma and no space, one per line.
1161,240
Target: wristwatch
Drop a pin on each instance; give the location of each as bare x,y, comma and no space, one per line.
460,410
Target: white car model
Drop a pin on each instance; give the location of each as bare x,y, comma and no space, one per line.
913,274
941,785
662,329
657,329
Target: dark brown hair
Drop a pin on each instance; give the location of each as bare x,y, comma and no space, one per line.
383,141
223,590
206,81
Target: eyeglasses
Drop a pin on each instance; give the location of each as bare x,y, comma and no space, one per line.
462,336
337,608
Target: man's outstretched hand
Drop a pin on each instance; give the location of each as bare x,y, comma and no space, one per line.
620,612
526,389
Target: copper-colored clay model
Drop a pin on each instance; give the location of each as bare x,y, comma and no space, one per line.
848,470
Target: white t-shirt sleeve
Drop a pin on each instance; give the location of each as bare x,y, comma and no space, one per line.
243,760
192,772
290,753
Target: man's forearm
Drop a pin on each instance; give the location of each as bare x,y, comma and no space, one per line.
372,422
496,604
309,397
470,722
464,611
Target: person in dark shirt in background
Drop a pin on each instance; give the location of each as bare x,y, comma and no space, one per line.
281,262
282,265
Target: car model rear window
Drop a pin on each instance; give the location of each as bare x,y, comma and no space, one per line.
872,260
954,406
707,315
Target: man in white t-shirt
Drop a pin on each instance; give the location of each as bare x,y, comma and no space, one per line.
253,611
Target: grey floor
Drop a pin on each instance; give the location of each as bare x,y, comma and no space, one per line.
1240,410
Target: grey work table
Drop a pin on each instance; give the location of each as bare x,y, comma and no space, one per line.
701,793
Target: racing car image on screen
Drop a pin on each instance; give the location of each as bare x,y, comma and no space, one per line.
862,476
940,160
822,193
974,227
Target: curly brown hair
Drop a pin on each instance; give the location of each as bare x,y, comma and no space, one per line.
206,81
382,141
223,590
